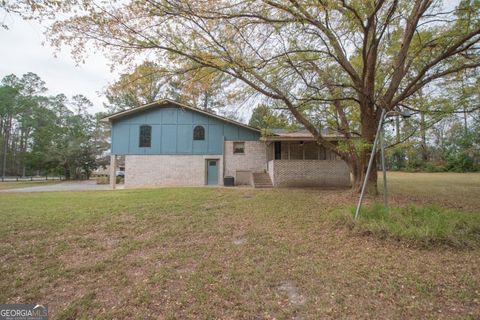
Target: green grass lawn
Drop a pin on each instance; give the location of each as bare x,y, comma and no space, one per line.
189,253
459,191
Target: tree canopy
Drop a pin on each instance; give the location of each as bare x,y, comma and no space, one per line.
201,88
47,134
263,117
350,59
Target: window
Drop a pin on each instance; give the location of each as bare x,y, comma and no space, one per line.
199,133
145,136
239,147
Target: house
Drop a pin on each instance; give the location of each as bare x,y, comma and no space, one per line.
166,143
105,171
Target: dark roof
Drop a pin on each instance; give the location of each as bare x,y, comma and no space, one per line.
301,134
163,103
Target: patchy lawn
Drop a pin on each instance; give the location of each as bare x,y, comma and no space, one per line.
459,191
193,253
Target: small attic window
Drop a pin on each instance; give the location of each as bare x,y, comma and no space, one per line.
199,133
145,140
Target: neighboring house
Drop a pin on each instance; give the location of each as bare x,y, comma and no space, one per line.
166,143
105,171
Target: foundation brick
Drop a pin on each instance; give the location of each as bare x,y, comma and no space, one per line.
309,173
169,170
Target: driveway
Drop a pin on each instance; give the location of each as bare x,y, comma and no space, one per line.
66,186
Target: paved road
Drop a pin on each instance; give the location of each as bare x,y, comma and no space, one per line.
65,186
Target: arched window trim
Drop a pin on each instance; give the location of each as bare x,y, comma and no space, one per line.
145,136
199,133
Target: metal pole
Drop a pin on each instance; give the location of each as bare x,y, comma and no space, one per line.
385,190
370,162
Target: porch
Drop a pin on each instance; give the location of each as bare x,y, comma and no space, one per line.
301,162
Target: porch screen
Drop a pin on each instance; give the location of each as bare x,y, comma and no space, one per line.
311,151
296,151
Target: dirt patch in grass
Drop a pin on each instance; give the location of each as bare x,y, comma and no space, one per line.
162,254
239,241
292,292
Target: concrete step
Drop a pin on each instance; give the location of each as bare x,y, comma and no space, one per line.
262,180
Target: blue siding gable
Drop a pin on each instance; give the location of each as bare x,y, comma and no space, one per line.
172,132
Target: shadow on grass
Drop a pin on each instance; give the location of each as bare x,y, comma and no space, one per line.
421,225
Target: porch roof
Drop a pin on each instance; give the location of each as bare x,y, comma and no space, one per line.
301,136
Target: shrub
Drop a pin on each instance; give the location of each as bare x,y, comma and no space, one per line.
423,225
435,167
106,180
460,162
102,180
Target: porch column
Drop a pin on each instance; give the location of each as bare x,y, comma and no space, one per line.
113,170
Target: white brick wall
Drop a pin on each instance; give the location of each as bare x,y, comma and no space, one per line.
169,170
304,173
254,159
191,170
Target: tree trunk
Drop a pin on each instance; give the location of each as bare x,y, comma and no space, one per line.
359,164
4,156
423,134
205,101
67,171
358,169
6,138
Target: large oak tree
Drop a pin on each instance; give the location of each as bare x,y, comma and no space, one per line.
356,57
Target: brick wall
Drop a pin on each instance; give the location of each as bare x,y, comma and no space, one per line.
305,173
168,170
254,159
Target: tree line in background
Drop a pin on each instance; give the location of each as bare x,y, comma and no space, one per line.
442,134
355,59
340,64
42,134
424,142
148,82
206,89
449,144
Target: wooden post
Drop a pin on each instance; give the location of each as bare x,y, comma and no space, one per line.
113,171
